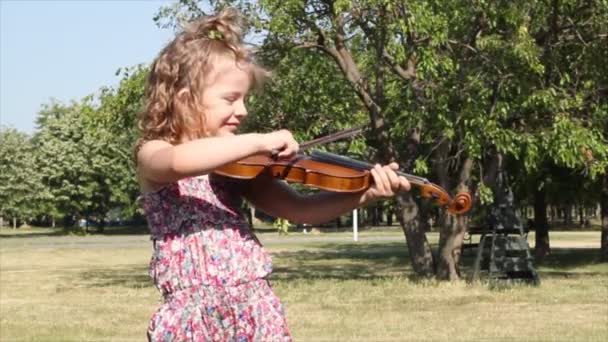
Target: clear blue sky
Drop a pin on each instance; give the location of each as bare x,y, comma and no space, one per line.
69,49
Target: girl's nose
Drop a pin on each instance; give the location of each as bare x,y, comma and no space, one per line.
240,109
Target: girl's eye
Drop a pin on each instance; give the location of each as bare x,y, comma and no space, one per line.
231,97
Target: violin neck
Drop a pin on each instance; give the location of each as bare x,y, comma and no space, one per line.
360,165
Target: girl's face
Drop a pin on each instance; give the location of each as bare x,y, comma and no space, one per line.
224,96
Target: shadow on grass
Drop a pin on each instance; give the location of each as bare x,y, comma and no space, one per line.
569,258
361,261
568,262
339,261
135,277
31,233
561,263
369,261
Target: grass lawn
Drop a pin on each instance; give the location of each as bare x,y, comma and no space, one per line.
96,288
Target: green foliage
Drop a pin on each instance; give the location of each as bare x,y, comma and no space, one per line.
115,121
282,226
20,188
421,167
70,160
485,194
84,151
570,144
305,96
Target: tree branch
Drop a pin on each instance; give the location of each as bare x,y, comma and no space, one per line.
406,74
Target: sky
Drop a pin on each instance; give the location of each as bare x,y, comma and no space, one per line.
66,50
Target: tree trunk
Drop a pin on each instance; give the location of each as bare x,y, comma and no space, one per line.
604,213
568,215
541,225
102,226
462,223
452,228
451,237
374,216
415,237
14,222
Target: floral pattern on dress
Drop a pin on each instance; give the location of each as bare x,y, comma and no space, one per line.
209,266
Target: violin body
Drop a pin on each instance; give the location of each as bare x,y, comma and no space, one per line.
336,173
303,170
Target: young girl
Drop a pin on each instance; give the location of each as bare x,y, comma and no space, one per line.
209,266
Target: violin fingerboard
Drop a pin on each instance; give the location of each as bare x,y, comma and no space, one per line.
336,159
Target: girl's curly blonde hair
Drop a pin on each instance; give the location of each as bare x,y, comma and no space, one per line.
184,64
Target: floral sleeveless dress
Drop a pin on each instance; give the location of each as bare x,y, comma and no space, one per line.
209,266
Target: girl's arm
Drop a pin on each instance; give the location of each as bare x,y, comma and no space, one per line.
160,163
278,199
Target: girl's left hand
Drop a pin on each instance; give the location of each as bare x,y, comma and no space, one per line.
386,183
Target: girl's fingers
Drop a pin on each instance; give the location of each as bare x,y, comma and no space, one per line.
400,182
387,182
394,181
290,150
405,184
377,179
386,189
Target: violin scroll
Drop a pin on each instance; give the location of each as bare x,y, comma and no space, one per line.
459,205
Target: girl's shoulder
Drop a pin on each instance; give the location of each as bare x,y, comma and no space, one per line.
144,154
146,147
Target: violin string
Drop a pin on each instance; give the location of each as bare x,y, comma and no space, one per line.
359,165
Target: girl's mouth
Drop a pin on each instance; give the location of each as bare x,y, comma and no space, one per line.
232,126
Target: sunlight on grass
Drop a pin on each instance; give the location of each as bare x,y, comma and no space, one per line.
332,291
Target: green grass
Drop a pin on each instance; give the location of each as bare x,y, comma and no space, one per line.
96,288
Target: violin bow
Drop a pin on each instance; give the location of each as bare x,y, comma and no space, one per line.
347,133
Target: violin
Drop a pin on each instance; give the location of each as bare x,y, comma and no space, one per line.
332,172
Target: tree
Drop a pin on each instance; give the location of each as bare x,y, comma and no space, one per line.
75,164
433,75
85,150
303,95
115,124
565,110
20,189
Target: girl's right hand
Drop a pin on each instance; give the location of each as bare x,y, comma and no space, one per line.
280,144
